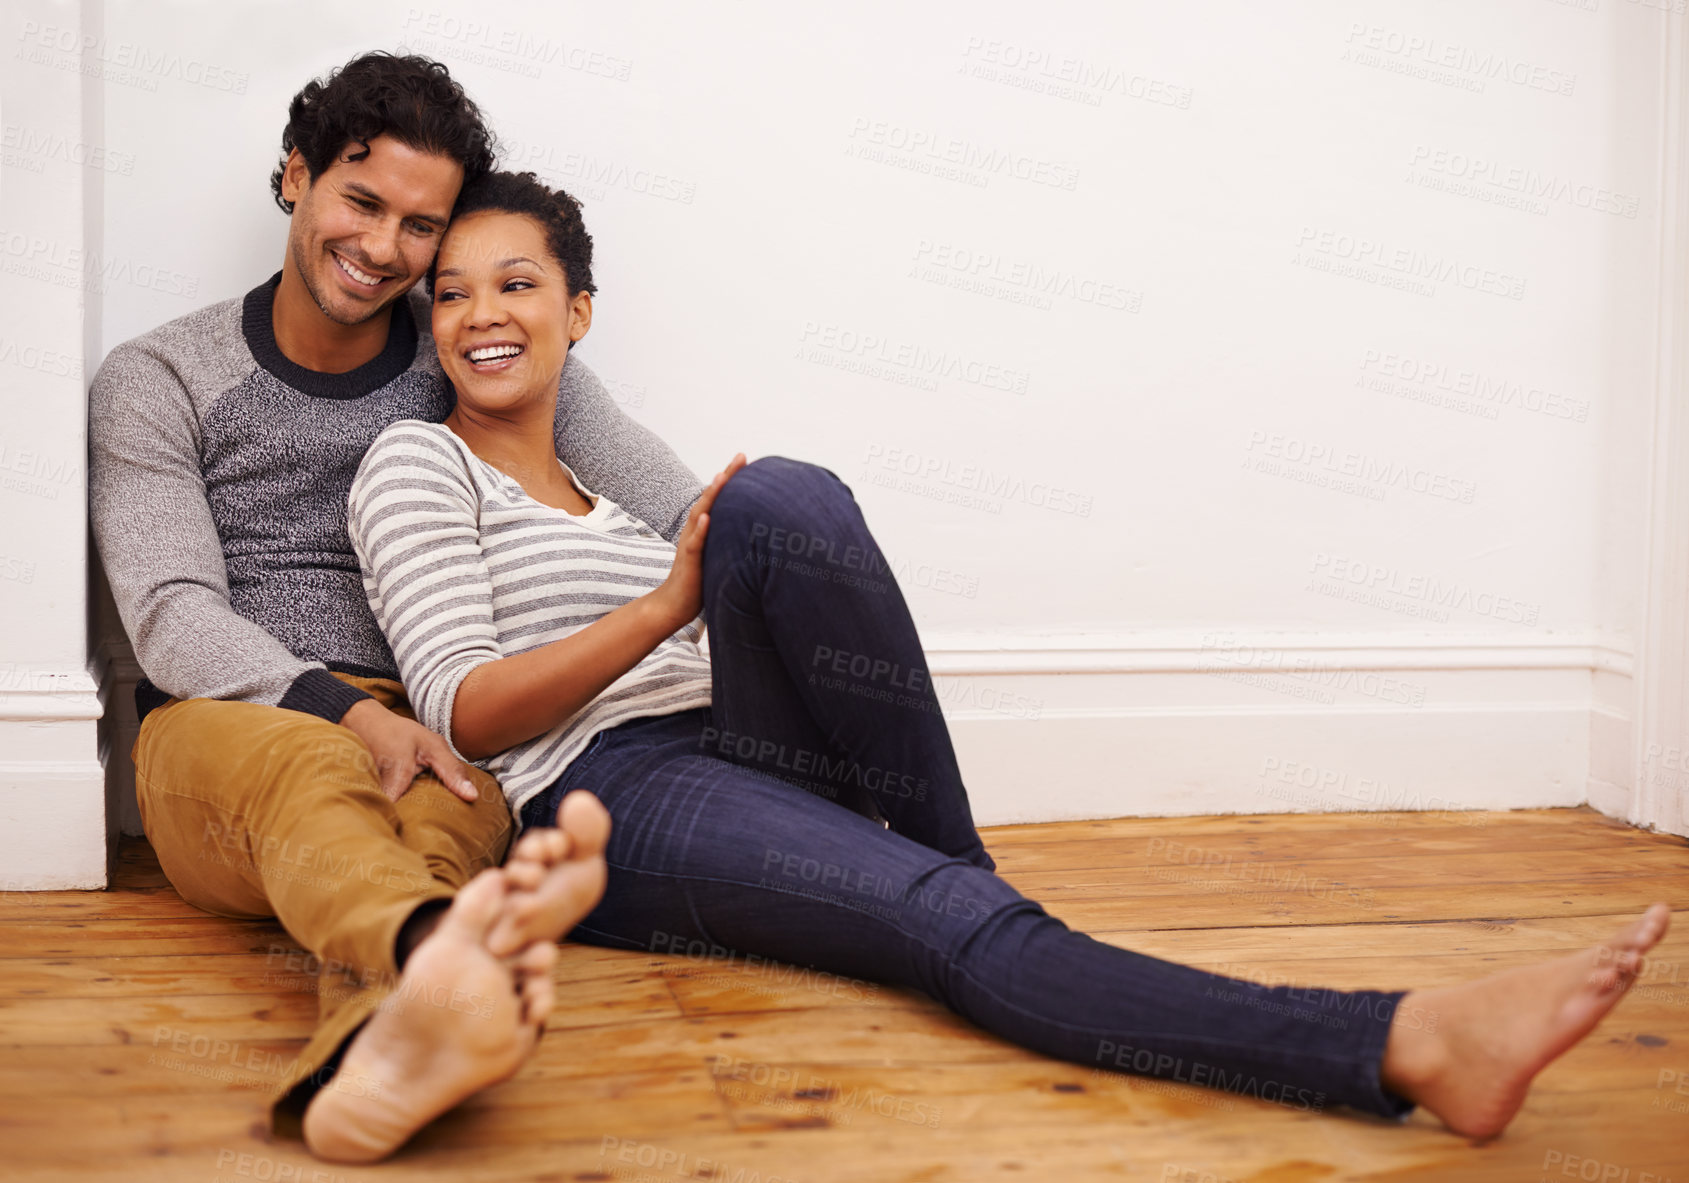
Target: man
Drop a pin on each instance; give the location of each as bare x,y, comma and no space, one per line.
279,768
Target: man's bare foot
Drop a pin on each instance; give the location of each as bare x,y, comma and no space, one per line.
1468,1053
468,1008
454,1024
556,876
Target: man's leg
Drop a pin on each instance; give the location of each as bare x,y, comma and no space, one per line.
819,676
257,811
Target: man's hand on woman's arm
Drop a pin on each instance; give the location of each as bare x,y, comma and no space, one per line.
509,701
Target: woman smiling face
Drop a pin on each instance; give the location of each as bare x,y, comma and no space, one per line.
504,317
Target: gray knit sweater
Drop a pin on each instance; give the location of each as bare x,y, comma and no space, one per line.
218,477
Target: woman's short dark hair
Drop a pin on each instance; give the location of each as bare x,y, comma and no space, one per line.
411,98
557,213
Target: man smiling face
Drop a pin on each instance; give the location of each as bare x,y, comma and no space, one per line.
365,230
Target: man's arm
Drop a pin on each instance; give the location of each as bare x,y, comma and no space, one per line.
624,460
159,545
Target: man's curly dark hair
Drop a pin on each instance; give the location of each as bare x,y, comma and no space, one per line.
557,212
411,98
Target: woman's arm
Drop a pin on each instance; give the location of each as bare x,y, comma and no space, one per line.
413,516
504,702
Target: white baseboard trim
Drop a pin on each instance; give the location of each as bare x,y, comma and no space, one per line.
1187,651
1241,721
53,831
1055,728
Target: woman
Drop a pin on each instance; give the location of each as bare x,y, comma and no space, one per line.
553,639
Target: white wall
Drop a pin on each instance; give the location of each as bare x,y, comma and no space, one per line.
1278,241
54,819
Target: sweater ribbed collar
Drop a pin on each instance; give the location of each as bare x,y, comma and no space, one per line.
394,359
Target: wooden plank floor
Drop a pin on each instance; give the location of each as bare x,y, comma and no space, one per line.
138,1036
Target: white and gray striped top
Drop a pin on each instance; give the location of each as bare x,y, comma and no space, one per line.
462,567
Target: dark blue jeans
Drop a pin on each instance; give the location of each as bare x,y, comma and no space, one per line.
754,827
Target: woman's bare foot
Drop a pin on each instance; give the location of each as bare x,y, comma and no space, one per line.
1468,1053
556,876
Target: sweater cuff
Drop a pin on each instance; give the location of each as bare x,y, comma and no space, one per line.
318,692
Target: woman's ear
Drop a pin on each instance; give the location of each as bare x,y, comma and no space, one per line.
580,315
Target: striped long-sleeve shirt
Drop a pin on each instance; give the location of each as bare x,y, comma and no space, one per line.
218,470
462,567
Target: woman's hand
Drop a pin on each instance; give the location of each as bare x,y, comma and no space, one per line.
404,749
682,593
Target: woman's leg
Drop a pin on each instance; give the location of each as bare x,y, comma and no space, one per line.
819,677
712,856
707,856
